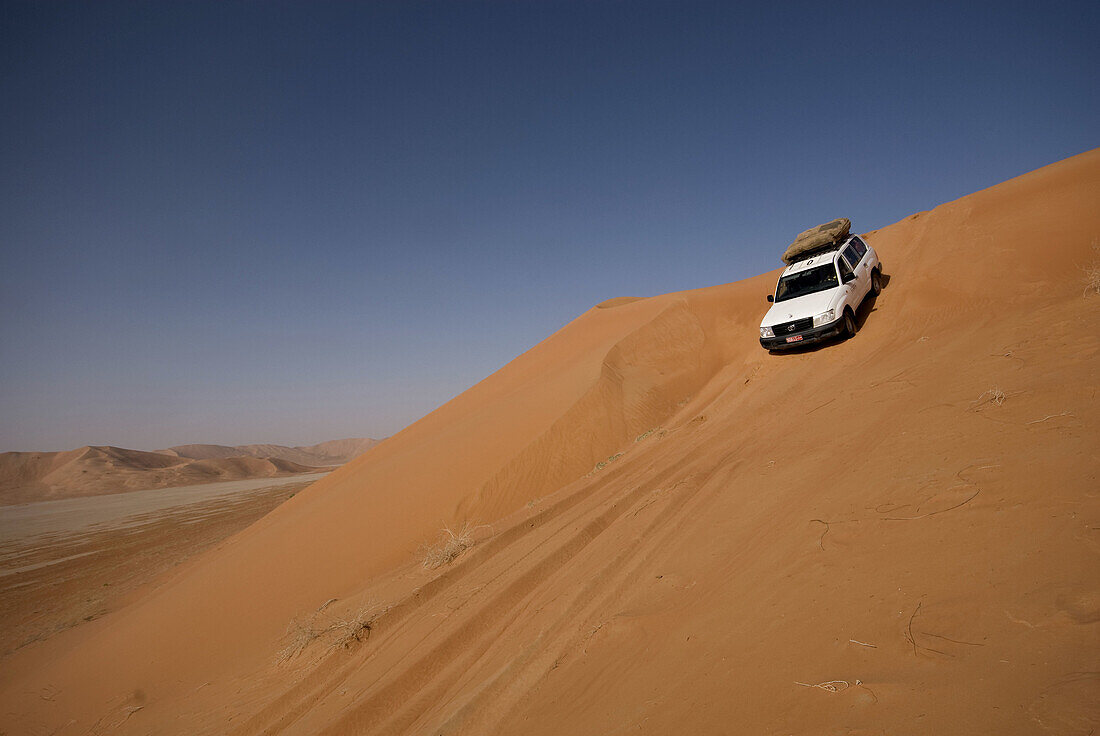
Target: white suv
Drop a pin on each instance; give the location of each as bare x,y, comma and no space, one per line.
817,297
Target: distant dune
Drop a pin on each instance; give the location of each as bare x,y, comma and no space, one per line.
95,470
333,452
674,532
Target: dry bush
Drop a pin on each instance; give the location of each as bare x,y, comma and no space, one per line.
993,396
1092,279
1092,272
336,633
301,634
604,463
451,545
356,628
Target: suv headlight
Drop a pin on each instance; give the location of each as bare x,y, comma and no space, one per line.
766,332
824,318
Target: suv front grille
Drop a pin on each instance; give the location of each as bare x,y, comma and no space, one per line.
791,328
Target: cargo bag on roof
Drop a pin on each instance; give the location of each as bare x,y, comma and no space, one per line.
817,238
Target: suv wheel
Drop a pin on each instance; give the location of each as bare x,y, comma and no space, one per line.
849,324
876,283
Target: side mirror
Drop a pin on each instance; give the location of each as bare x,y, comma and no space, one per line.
849,277
771,298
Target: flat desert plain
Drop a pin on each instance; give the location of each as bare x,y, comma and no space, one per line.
66,562
668,530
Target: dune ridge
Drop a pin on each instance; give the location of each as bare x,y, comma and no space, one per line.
643,379
323,454
678,533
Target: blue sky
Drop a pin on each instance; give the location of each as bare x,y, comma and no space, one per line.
290,222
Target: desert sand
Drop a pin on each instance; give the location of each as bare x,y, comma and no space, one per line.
27,477
676,532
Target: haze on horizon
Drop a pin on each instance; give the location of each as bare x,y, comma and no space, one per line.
240,223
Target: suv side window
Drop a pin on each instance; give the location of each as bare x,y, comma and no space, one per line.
852,256
845,269
860,246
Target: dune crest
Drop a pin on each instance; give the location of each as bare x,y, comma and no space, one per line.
618,301
644,379
677,532
333,452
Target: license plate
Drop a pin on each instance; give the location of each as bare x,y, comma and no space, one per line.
795,338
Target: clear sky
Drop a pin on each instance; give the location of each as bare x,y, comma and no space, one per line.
291,222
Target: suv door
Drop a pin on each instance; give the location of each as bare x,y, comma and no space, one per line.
849,282
860,266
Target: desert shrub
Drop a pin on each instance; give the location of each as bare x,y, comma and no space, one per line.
604,463
993,396
451,545
1092,279
335,633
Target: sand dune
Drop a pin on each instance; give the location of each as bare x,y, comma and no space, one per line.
324,454
679,533
89,471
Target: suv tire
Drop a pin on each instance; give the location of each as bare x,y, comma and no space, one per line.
849,329
876,283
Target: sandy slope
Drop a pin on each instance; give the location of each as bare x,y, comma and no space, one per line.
89,471
685,534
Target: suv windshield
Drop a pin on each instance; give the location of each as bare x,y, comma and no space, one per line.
811,281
